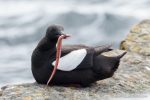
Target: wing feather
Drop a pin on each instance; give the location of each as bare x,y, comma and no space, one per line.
71,61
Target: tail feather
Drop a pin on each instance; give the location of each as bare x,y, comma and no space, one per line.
120,56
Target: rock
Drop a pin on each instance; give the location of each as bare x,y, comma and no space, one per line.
138,39
132,78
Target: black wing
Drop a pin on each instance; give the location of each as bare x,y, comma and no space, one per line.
97,50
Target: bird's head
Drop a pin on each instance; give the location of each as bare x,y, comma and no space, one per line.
54,32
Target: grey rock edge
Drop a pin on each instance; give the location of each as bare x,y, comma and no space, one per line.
132,78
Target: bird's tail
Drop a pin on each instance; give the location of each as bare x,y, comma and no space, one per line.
105,66
120,56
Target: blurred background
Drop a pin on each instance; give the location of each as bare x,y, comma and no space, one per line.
90,22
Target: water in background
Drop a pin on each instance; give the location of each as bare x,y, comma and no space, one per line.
91,22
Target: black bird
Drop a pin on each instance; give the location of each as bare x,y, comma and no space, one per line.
79,64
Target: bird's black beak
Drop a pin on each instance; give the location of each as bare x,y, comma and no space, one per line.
65,36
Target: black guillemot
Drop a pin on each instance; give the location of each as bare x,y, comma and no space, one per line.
79,64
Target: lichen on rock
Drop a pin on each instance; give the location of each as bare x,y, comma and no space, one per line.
138,39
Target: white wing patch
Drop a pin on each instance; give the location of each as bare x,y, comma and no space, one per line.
72,60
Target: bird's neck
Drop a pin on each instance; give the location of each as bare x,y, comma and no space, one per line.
46,45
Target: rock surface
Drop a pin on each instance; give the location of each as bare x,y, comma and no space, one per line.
138,39
131,80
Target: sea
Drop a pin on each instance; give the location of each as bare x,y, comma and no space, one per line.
91,22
